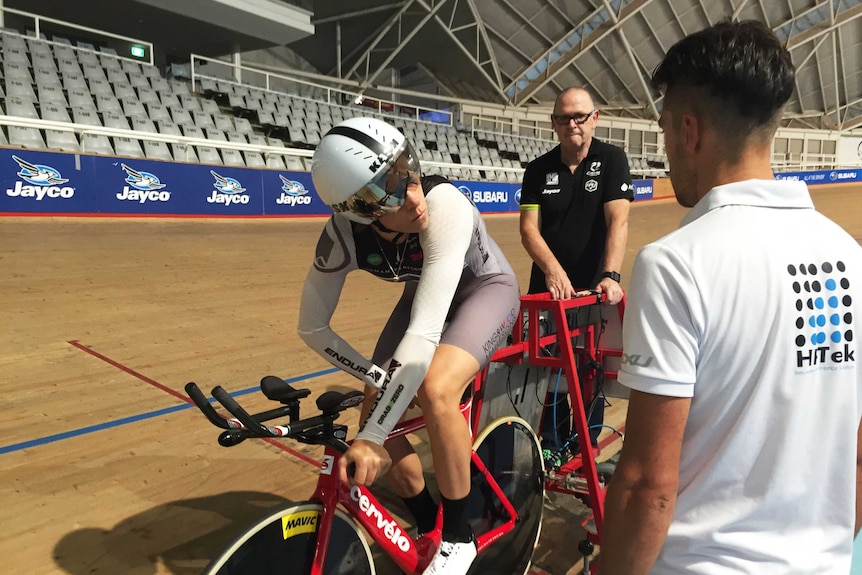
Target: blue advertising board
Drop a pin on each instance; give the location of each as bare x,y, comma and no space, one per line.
643,189
43,182
491,197
58,183
823,176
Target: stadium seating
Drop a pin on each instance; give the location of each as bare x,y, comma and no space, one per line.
75,82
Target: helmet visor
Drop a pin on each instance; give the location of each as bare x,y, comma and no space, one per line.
386,192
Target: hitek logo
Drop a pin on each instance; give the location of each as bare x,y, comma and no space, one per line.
824,321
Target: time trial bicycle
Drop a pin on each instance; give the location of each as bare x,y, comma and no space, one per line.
322,536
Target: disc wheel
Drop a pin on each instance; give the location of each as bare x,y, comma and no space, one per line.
283,542
509,449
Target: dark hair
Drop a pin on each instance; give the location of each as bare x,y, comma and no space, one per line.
739,72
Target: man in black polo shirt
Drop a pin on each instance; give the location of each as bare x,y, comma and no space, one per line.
575,206
574,216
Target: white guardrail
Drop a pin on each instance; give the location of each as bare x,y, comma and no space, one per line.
266,151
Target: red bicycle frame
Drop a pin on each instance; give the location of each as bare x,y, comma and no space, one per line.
412,556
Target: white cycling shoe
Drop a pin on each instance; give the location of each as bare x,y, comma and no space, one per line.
452,558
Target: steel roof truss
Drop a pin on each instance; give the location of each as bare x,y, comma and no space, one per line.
593,38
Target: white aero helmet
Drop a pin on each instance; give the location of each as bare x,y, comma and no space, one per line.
362,168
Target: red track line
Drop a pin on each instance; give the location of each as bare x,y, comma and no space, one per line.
130,371
181,397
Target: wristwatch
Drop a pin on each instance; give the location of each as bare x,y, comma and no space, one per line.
613,275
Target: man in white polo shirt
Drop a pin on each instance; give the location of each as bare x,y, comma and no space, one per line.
741,342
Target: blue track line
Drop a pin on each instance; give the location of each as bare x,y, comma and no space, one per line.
141,417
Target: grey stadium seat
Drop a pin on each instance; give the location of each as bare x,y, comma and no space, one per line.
26,137
52,95
148,96
254,160
81,99
127,147
158,113
275,162
203,120
124,92
141,124
113,120
168,128
24,108
96,144
88,117
157,151
64,141
55,113
208,155
215,135
232,157
183,153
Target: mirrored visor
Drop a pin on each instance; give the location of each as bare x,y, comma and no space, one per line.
386,192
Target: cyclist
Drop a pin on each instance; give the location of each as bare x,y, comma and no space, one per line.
423,232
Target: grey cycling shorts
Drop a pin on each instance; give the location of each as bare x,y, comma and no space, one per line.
480,319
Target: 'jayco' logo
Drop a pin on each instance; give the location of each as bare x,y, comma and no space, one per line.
293,193
824,320
143,187
44,182
227,191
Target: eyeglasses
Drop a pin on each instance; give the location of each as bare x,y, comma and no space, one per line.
578,119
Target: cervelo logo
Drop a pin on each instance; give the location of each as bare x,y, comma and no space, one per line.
145,187
388,527
227,191
484,196
293,193
44,182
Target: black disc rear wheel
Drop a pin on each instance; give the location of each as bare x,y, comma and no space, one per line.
509,449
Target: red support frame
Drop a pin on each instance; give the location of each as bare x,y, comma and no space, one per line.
576,347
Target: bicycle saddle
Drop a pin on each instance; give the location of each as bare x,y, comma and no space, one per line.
277,389
333,401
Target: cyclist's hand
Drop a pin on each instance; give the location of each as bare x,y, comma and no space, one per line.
612,290
369,461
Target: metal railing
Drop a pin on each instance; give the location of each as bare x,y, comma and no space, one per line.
250,77
89,32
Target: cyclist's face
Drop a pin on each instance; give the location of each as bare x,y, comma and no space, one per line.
412,216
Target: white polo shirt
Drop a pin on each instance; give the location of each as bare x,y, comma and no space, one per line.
752,308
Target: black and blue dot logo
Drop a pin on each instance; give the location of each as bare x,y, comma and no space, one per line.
824,317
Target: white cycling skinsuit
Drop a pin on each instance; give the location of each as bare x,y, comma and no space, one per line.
453,272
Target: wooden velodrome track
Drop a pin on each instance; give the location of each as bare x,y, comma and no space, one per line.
104,467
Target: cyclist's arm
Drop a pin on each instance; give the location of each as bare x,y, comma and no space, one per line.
444,245
320,294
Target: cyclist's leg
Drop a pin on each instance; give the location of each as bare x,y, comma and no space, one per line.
479,324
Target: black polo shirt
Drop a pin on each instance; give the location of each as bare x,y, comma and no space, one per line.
571,208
